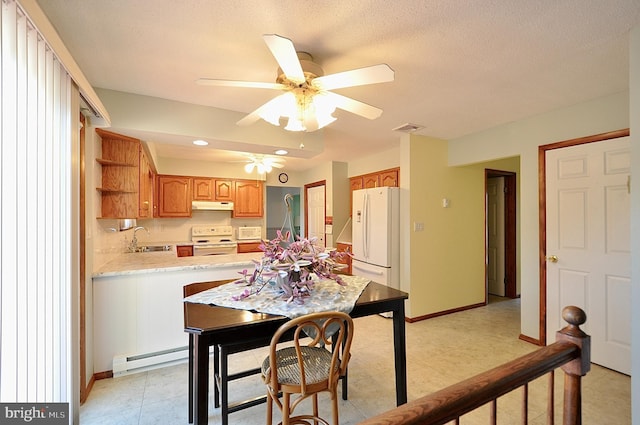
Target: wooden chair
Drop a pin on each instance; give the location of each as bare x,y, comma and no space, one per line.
221,353
307,368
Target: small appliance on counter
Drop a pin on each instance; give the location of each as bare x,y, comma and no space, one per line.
249,233
213,240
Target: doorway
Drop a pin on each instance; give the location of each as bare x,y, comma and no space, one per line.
278,215
315,211
500,231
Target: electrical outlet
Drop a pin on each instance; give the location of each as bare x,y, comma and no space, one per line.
418,226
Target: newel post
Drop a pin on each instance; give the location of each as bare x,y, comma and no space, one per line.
577,368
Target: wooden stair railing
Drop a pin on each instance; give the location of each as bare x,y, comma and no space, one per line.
571,352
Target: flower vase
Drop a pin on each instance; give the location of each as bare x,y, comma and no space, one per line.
283,283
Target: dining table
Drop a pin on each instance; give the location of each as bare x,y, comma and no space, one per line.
213,324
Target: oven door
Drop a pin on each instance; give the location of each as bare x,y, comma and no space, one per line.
215,249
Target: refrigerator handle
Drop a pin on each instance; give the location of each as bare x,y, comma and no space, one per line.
365,225
367,270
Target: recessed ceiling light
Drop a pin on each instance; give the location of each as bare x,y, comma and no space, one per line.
281,152
200,142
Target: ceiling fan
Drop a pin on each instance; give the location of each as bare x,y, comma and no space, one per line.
307,102
262,164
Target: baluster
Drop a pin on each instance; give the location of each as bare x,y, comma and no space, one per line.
551,410
525,404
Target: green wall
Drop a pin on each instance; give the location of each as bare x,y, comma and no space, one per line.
447,258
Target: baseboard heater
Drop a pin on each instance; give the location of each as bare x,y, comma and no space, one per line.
125,365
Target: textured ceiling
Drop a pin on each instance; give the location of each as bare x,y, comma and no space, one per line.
460,66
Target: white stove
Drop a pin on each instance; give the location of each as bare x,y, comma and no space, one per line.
213,240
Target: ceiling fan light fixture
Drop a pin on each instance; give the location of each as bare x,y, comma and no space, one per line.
294,124
262,164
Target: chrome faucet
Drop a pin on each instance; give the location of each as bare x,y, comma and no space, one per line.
133,246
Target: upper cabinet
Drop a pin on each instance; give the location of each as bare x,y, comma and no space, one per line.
147,179
203,189
174,196
388,178
212,189
223,190
120,187
248,199
378,179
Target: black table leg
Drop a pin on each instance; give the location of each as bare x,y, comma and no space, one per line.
400,354
201,379
224,384
191,373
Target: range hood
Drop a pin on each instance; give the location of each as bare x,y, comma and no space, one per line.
211,206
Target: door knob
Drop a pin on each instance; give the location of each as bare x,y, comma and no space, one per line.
552,258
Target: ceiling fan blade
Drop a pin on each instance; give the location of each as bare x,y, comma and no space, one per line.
233,83
255,115
354,106
285,53
357,77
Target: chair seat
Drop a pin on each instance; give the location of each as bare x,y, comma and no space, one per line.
317,362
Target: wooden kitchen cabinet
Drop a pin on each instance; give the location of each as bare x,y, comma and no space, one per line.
120,185
174,196
203,189
244,247
212,189
370,180
146,176
127,188
248,199
388,178
223,190
356,183
344,247
184,250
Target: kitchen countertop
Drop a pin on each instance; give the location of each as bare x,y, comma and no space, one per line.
151,262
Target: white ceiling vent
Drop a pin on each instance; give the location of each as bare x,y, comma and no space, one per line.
408,128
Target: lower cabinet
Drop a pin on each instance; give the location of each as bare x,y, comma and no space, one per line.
184,250
244,247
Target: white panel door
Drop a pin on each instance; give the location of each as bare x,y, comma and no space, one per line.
588,247
316,211
495,236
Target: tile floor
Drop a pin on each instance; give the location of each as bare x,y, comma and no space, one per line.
440,352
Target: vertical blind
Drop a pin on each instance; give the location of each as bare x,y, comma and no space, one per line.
35,212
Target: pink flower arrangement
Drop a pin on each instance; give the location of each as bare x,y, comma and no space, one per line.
291,266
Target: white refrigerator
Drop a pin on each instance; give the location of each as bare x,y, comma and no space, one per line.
376,235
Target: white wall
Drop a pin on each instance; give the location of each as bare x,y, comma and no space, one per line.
522,138
376,162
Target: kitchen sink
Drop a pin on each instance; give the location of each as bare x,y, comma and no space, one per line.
154,248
